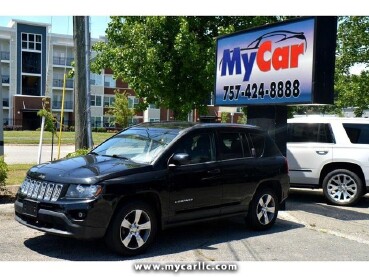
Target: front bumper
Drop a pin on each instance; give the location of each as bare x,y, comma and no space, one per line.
59,221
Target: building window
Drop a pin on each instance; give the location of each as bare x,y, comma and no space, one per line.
135,121
95,100
132,101
109,121
109,101
154,119
31,85
96,79
153,106
31,42
109,82
96,121
31,62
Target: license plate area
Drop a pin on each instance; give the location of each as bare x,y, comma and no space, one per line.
30,208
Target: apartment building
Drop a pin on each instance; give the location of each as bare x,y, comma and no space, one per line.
33,64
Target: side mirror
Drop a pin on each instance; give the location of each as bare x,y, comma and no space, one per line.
178,159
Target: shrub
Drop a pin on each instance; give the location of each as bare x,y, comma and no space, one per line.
3,173
79,152
101,130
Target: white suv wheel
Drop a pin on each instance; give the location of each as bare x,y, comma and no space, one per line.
342,187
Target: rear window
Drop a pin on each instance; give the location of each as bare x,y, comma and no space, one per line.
309,132
357,133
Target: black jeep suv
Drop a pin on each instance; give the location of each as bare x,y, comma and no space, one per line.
153,176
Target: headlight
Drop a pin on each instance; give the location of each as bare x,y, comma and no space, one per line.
83,191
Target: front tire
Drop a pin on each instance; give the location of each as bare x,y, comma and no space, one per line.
263,209
132,230
342,187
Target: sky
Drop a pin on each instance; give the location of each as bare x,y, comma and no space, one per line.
63,24
60,13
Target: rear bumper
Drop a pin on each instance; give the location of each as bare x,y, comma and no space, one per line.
57,223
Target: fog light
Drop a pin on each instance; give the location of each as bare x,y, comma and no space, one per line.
81,215
78,215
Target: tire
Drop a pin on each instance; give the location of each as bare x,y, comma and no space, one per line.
342,187
132,229
263,209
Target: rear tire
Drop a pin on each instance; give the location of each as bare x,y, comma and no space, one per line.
132,229
263,209
342,187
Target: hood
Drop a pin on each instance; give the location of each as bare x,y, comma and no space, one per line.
87,169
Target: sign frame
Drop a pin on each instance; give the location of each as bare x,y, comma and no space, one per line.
277,64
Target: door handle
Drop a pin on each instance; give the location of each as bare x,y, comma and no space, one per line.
321,152
214,171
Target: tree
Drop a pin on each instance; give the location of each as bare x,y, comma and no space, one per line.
168,61
352,49
224,116
49,117
120,110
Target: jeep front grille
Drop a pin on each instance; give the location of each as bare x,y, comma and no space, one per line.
40,190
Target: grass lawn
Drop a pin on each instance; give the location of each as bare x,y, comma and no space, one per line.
17,173
33,137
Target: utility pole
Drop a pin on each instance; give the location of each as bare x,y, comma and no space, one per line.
88,87
1,114
81,109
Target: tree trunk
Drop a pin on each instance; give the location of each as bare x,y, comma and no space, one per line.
80,97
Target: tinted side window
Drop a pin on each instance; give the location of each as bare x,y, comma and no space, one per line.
230,146
309,132
258,144
357,133
325,133
198,147
246,145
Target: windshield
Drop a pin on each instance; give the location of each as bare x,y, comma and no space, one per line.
141,145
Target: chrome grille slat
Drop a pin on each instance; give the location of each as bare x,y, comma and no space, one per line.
49,191
57,190
25,186
41,190
30,189
36,190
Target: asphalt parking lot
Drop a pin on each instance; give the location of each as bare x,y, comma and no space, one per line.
309,230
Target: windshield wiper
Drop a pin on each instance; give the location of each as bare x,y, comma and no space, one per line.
118,157
93,153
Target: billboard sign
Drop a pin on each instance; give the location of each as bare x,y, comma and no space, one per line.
275,64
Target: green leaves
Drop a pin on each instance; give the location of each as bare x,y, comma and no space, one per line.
168,60
120,110
352,49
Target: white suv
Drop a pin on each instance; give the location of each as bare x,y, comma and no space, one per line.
330,153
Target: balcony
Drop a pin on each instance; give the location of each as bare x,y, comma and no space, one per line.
58,83
5,79
62,61
4,55
57,105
